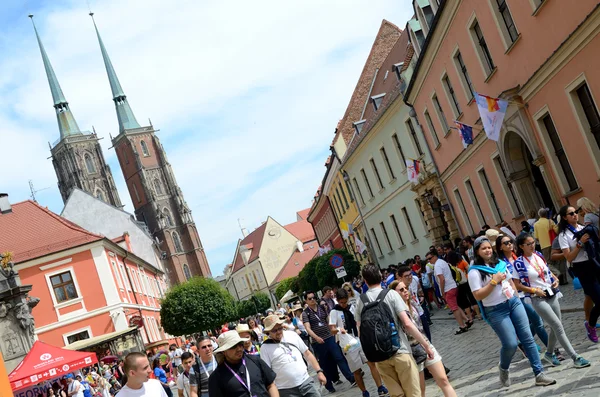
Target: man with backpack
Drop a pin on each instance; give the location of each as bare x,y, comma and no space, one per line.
382,319
447,277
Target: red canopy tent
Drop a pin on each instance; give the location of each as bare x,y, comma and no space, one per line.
45,362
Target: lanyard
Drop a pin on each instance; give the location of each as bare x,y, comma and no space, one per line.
538,268
317,313
246,385
214,365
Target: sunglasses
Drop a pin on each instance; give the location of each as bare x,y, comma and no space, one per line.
572,213
311,298
206,347
428,258
402,289
507,242
531,244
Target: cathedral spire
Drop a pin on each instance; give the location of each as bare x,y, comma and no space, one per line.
66,122
124,113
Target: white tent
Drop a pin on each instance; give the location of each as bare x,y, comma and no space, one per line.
287,297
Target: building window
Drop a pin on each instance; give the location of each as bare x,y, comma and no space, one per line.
144,149
398,70
177,242
491,197
590,111
124,276
414,137
186,271
388,166
385,234
376,241
397,229
116,273
124,151
399,150
344,196
475,202
376,172
64,287
559,151
168,218
464,75
509,27
360,195
358,126
366,181
482,49
421,214
349,191
137,195
463,211
158,187
78,336
409,223
432,130
377,100
452,96
337,205
440,114
89,164
100,195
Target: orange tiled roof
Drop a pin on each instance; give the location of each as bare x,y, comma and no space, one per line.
252,241
297,261
302,230
31,231
303,214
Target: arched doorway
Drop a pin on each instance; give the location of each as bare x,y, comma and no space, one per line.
525,175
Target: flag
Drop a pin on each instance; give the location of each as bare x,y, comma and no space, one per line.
344,229
492,111
413,167
466,133
324,249
360,246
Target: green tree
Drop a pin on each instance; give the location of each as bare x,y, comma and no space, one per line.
318,272
262,300
257,303
196,305
284,286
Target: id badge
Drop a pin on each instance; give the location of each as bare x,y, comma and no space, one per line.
507,290
550,292
320,324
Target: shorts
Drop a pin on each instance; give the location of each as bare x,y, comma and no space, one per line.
451,297
436,359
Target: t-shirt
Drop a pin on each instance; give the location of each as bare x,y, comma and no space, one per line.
222,383
200,378
413,288
396,305
73,386
318,321
591,218
498,294
285,359
535,281
541,231
176,352
160,374
566,240
183,382
441,267
151,388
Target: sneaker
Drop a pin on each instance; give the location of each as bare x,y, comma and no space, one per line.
338,382
353,384
559,354
591,332
539,348
382,391
550,359
504,377
581,362
332,390
366,394
542,379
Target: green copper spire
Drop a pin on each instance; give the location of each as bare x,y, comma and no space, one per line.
66,122
124,113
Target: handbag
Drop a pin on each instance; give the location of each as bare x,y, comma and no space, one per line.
551,233
419,353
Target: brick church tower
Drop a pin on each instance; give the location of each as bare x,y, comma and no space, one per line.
156,197
77,155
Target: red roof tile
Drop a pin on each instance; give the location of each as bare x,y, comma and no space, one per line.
31,231
252,241
302,230
303,214
297,262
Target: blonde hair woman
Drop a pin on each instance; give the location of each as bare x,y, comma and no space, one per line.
590,211
351,296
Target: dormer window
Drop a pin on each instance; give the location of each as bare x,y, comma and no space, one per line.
358,126
397,69
377,100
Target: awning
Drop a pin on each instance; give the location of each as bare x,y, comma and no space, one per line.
46,362
82,344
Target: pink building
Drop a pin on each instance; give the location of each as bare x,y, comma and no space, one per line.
541,56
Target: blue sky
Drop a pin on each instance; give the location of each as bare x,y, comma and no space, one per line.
246,96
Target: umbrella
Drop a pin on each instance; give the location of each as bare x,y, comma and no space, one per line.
109,359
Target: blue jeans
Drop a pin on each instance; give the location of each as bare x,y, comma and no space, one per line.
536,323
330,354
509,321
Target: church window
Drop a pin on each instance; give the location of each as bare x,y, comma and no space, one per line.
186,271
158,187
168,218
89,164
137,195
100,195
144,149
125,156
177,242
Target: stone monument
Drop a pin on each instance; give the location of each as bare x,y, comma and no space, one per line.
17,327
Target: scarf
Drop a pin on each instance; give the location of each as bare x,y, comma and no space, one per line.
349,322
499,268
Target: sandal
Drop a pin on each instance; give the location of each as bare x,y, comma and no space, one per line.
461,330
469,323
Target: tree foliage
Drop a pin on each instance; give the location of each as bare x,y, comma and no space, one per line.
196,305
257,303
286,285
318,272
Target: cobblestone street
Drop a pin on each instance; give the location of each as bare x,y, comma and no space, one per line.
473,359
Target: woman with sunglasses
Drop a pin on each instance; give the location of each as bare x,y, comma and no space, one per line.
541,287
588,209
585,270
434,366
492,285
350,290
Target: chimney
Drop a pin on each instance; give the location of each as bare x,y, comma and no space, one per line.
299,246
5,207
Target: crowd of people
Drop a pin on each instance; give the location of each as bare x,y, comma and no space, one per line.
509,279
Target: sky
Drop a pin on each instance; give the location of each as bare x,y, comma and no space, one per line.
246,96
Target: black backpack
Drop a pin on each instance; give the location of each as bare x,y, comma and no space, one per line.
375,328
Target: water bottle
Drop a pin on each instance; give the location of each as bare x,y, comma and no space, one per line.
395,340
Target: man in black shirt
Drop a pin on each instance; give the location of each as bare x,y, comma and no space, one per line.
240,375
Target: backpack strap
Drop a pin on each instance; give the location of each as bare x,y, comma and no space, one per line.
382,294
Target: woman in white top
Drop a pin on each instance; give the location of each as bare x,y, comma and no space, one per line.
532,276
258,330
585,270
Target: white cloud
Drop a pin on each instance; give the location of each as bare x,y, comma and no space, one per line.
246,94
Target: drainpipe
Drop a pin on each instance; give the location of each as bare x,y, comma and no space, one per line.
133,292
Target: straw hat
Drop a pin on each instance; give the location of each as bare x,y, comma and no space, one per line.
229,339
271,321
492,234
296,307
241,328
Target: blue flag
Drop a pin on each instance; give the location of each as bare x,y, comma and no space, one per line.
466,133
